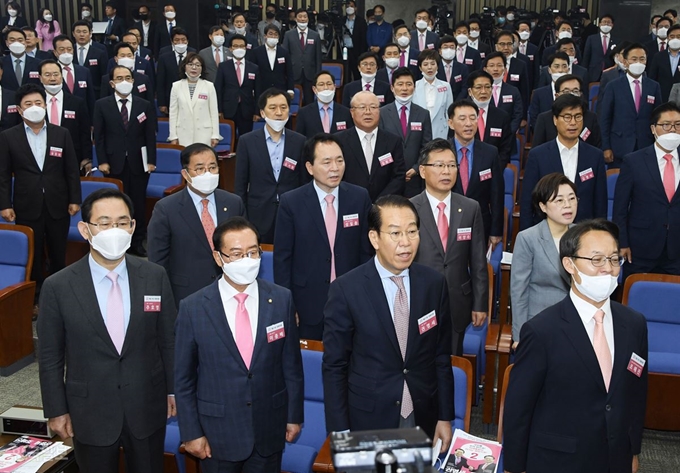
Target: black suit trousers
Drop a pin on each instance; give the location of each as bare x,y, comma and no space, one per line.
243,124
307,92
352,71
134,185
255,463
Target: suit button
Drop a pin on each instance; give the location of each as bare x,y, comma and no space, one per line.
249,403
250,375
446,266
212,277
120,360
405,371
607,408
398,403
328,281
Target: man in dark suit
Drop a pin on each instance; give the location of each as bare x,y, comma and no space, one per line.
580,162
306,261
168,67
647,203
449,70
164,30
503,95
568,46
140,64
274,62
115,27
109,318
9,116
408,57
458,461
612,73
354,39
543,97
564,31
527,48
238,362
46,189
191,214
268,163
33,43
626,113
304,46
659,43
465,55
375,156
125,141
479,172
215,54
516,73
368,66
452,242
474,41
238,22
595,54
664,67
147,28
588,353
21,68
77,79
410,122
325,115
421,38
387,335
89,55
124,56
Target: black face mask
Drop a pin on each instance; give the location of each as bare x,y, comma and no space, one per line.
144,16
270,15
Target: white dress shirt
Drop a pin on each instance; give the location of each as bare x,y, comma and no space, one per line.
473,44
271,55
569,158
128,104
372,84
586,311
662,163
321,195
430,94
230,304
632,87
102,287
390,287
76,53
434,202
37,143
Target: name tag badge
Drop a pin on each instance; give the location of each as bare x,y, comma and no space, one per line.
468,62
496,133
82,84
141,88
464,234
249,46
141,71
251,76
93,62
586,174
427,322
585,133
202,96
651,99
575,61
482,55
485,175
152,303
341,125
458,78
385,159
350,220
310,41
442,90
275,332
531,57
636,364
70,114
34,74
141,117
507,99
290,163
281,60
416,126
413,62
430,46
147,57
11,109
381,98
514,77
56,152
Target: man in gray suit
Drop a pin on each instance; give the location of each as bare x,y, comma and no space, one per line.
410,121
179,235
452,239
215,54
110,319
304,46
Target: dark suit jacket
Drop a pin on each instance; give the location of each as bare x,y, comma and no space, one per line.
151,40
230,95
558,415
579,71
381,89
168,74
83,86
56,186
20,22
254,181
383,179
488,193
608,75
169,49
281,76
142,66
591,191
510,101
173,223
550,50
363,370
660,71
161,37
545,130
647,222
115,144
383,76
534,62
459,74
418,134
359,44
472,60
142,87
431,40
76,119
518,77
594,59
302,260
103,389
30,75
308,122
541,101
463,263
623,129
9,116
497,121
96,62
306,62
214,388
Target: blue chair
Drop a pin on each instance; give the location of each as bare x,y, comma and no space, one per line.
501,403
228,132
612,176
163,130
172,444
267,263
295,104
168,171
258,125
313,432
593,92
462,397
87,186
338,71
298,458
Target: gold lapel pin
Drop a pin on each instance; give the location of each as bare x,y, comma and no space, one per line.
270,301
225,209
460,210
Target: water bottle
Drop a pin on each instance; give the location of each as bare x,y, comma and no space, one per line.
344,53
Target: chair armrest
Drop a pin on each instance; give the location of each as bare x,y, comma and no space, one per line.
505,339
16,317
492,335
173,189
20,289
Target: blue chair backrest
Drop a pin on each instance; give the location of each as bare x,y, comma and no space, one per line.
86,188
297,458
267,266
13,257
611,187
460,383
314,429
225,144
509,180
258,125
336,71
295,103
515,156
163,131
172,443
168,172
658,302
594,91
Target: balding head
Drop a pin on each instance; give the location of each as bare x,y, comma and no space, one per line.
365,108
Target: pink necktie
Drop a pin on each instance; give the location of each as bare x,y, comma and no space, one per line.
69,78
421,41
402,59
402,119
207,222
461,58
218,60
496,88
238,72
331,220
448,72
54,112
604,45
401,316
669,177
326,122
464,170
244,332
523,48
115,319
442,225
367,87
481,126
604,356
638,94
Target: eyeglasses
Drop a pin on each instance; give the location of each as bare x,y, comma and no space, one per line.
397,236
213,168
363,108
505,45
576,92
368,64
49,75
569,118
669,126
440,166
598,261
195,65
481,87
123,225
563,202
237,255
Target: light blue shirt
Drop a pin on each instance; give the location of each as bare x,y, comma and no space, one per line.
102,286
330,111
22,59
408,110
459,154
212,207
391,287
38,143
321,195
674,62
275,149
348,37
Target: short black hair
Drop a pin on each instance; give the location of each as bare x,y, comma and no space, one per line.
655,18
129,32
671,11
611,17
523,22
447,38
187,59
62,37
390,45
29,28
189,151
546,189
505,33
494,55
571,240
177,31
663,108
237,36
269,93
383,8
423,10
14,29
214,28
113,71
233,224
101,194
366,55
81,23
301,10
438,144
237,14
566,101
122,45
401,72
474,75
461,103
309,149
564,41
461,24
428,54
567,78
474,20
565,22
111,4
28,89
663,18
627,51
321,73
89,5
557,55
398,27
388,201
674,27
272,27
46,62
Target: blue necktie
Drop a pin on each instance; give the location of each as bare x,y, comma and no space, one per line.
109,27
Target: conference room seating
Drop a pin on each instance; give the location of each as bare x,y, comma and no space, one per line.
313,432
267,263
593,91
338,71
612,176
463,392
163,130
501,405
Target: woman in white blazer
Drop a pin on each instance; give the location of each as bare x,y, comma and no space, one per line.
433,94
193,106
538,279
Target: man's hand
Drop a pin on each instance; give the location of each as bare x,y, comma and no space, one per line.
256,118
86,165
523,123
112,37
443,431
625,253
409,174
199,448
478,318
214,142
292,431
8,215
163,109
375,49
172,407
297,319
174,142
61,426
73,209
105,168
636,465
494,240
514,346
151,167
608,156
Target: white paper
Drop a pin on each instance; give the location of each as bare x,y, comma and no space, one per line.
507,258
50,453
99,27
435,451
145,159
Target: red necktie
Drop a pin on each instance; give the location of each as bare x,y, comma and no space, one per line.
54,112
404,122
638,94
604,45
402,59
669,177
302,41
663,46
442,225
368,87
481,126
207,222
69,78
464,170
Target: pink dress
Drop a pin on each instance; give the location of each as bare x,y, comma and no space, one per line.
44,34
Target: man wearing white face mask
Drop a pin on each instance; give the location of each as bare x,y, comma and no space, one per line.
191,214
274,62
660,41
168,66
21,68
448,69
354,37
77,79
215,54
304,46
163,33
466,56
124,56
408,57
268,163
564,31
241,28
543,97
664,67
368,67
421,38
325,115
596,55
642,196
238,351
474,40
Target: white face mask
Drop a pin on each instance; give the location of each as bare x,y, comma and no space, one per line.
605,29
392,62
674,44
85,14
448,54
403,100
218,40
461,39
66,59
272,42
17,48
243,271
557,75
325,96
170,15
349,10
481,104
662,33
572,61
564,34
12,13
596,288
276,125
48,17
302,26
474,34
429,77
241,31
205,183
53,89
429,28
126,62
112,243
421,25
181,48
239,53
403,41
367,77
498,80
34,114
510,17
669,141
636,69
524,35
124,88
619,63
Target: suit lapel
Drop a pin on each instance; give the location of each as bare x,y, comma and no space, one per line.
621,348
358,151
653,168
455,218
264,320
548,245
428,221
214,310
190,215
27,148
314,209
376,295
